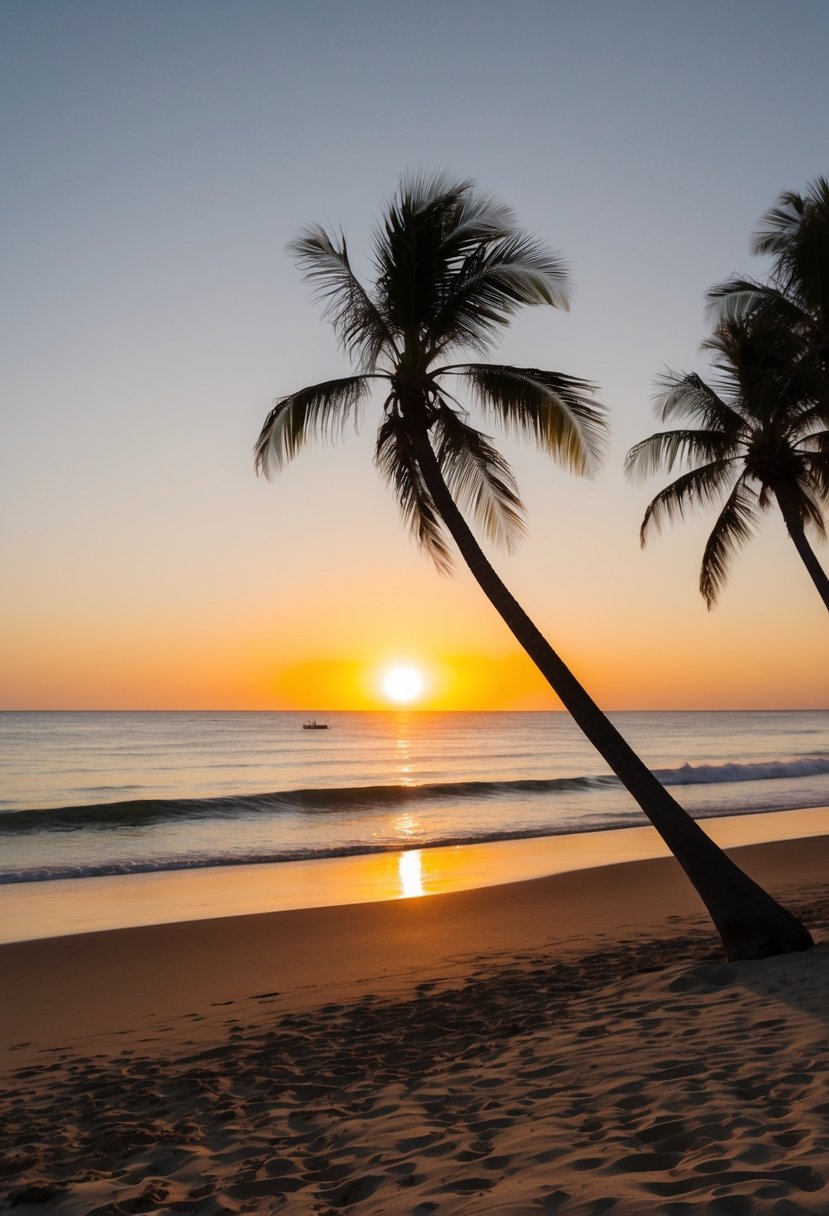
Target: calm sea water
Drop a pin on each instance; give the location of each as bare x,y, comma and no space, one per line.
109,793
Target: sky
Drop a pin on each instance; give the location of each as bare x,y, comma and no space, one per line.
156,160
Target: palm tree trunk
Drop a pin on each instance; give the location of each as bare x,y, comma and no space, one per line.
794,527
751,924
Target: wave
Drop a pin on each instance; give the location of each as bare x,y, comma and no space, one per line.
155,865
724,774
149,812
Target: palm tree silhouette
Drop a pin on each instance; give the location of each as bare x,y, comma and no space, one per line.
795,302
451,269
759,437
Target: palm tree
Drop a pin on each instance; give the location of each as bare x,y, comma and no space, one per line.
451,269
756,438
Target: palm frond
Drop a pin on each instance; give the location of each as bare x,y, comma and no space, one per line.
732,299
320,410
735,526
812,513
817,468
659,453
779,224
478,477
360,327
738,298
688,396
697,487
805,399
517,270
420,189
815,441
396,461
478,220
802,414
556,411
485,290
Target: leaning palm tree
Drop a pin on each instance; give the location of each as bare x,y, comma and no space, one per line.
451,269
757,436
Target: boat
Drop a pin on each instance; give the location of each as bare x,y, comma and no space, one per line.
313,724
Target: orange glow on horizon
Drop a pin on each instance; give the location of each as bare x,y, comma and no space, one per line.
142,659
450,682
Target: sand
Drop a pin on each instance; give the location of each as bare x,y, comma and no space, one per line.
569,1045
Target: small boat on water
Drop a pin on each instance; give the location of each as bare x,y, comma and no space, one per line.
313,724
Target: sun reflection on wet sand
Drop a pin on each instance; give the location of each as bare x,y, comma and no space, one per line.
410,869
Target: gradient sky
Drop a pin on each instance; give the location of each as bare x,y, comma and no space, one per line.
156,159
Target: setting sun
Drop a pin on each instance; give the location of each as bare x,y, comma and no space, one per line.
402,684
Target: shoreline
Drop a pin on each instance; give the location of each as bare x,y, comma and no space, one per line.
82,986
563,1045
59,908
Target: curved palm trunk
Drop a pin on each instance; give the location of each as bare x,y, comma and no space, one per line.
807,554
750,923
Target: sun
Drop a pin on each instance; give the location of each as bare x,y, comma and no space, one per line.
402,684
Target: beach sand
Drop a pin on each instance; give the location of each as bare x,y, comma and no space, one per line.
569,1044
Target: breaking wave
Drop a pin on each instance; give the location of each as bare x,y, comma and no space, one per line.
149,812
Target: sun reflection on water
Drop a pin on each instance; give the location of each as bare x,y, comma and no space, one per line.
410,869
403,758
406,825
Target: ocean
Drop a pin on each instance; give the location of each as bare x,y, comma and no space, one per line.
91,794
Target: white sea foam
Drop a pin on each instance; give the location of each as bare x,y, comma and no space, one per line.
766,770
